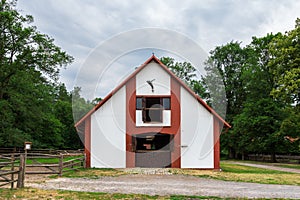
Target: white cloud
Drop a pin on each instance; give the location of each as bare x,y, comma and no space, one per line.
79,26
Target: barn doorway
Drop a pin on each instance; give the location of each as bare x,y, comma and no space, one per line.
153,150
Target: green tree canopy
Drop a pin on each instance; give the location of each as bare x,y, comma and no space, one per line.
29,66
187,73
285,65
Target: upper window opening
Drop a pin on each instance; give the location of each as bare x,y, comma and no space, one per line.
153,107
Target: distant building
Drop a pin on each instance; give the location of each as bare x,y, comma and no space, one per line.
152,119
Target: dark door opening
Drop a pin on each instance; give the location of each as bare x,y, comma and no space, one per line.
153,150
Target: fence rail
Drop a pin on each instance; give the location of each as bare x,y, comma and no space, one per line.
8,170
44,151
279,158
36,163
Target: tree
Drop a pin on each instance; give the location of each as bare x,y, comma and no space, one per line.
80,105
29,66
290,130
261,116
285,64
63,112
183,70
187,73
224,68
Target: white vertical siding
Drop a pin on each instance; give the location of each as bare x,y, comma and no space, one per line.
108,133
197,142
161,82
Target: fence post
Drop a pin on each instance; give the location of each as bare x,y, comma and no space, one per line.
61,164
13,170
21,176
84,161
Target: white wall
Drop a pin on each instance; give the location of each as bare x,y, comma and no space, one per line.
197,143
161,82
108,133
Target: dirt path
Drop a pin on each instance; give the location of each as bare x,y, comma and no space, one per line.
171,184
266,166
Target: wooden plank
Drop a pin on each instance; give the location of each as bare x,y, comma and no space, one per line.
42,172
8,182
41,155
73,164
74,169
42,165
8,172
75,159
6,163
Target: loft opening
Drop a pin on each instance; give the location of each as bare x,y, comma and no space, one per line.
152,108
152,142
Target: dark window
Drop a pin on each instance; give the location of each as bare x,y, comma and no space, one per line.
153,108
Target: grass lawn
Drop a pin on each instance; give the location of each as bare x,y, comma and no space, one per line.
293,166
284,165
49,160
93,173
30,193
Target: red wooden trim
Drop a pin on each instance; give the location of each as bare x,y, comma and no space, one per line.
130,120
175,123
155,59
87,141
216,125
132,129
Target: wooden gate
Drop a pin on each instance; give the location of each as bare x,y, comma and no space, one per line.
8,170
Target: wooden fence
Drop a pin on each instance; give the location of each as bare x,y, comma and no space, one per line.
42,151
8,170
36,163
279,158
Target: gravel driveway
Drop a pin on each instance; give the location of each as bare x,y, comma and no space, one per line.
171,184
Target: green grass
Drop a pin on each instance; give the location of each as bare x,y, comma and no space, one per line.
48,160
31,193
241,169
284,165
93,173
292,166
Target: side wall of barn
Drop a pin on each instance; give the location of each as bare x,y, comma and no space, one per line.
108,138
197,137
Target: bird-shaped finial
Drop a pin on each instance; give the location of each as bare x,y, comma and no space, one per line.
151,84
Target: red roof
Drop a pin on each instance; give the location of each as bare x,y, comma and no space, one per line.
155,59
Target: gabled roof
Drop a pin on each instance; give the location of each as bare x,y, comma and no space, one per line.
155,59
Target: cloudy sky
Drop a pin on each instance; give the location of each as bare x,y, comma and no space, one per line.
82,27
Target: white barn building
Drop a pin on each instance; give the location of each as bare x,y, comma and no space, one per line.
152,119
